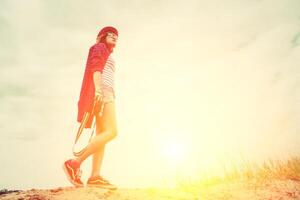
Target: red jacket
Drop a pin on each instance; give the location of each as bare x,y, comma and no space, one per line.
96,60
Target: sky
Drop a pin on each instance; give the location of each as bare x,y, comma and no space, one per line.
199,85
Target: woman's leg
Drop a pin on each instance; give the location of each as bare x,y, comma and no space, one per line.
99,154
109,132
97,161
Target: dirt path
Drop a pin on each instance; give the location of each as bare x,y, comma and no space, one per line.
235,190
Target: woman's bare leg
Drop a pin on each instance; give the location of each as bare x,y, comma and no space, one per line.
109,132
99,154
97,161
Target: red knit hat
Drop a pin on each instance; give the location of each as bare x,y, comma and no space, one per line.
108,29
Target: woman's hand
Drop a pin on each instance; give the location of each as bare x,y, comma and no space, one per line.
98,99
98,94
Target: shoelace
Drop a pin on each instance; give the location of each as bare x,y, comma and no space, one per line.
78,173
105,180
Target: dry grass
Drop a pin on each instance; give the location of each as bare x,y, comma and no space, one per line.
272,179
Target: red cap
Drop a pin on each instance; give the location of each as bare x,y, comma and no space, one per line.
108,29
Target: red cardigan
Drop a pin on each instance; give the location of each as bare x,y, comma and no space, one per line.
96,60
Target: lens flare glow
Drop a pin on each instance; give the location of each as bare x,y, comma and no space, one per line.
174,150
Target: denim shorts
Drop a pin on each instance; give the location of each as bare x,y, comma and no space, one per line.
108,95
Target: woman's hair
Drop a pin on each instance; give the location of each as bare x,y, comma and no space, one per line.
103,38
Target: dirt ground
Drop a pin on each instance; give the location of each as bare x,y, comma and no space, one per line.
235,190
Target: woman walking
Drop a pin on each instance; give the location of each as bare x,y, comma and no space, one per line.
98,82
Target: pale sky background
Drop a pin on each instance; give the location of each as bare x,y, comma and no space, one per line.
199,85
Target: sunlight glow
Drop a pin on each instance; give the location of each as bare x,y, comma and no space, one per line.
174,150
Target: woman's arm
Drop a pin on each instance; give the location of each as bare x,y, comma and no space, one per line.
97,81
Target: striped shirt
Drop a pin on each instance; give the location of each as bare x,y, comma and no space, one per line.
108,75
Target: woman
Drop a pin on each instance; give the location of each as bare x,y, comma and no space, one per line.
98,82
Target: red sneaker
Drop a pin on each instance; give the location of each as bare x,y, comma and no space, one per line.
72,169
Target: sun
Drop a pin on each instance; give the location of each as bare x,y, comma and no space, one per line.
173,150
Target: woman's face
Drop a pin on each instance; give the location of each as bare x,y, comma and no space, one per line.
111,38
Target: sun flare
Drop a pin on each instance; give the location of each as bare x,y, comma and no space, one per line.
174,150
